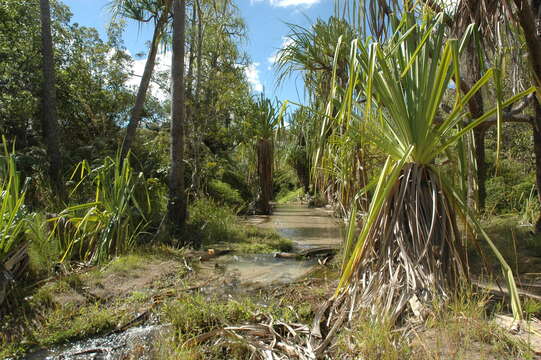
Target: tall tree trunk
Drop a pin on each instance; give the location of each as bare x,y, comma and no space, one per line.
198,136
527,19
536,126
137,110
190,125
177,198
472,74
49,116
264,171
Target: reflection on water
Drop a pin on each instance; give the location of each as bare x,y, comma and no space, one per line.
265,269
306,227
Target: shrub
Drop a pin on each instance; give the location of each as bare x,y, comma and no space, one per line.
211,222
12,210
223,193
110,224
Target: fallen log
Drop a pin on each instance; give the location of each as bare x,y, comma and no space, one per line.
503,292
324,252
286,255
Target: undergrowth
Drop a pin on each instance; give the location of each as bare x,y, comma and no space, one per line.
289,196
212,225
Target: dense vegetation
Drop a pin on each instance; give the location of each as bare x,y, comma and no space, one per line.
421,129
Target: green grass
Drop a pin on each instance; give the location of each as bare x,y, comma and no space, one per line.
290,196
256,240
12,208
72,322
194,315
125,264
459,329
65,309
214,226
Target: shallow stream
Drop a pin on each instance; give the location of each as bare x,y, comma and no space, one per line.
307,228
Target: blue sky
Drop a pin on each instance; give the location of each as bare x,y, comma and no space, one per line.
266,21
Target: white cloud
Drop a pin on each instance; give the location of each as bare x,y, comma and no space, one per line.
288,3
252,74
163,63
286,41
271,60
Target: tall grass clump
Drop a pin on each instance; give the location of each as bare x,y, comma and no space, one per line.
112,221
12,210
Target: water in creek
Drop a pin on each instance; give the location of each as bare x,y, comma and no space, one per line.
134,343
307,228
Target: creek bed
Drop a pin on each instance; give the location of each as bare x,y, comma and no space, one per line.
307,228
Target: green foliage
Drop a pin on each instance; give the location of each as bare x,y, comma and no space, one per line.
91,75
44,250
12,210
224,194
264,119
312,51
511,190
289,196
238,181
211,221
111,224
211,225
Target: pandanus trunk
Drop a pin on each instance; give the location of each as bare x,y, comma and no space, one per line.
265,150
411,256
137,110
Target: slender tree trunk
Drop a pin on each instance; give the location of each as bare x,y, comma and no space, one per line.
190,126
472,74
527,19
49,116
198,136
479,139
177,198
536,126
137,110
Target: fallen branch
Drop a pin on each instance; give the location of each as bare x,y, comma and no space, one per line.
308,253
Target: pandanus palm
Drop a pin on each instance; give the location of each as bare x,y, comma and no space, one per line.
144,11
312,52
262,124
409,249
321,55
